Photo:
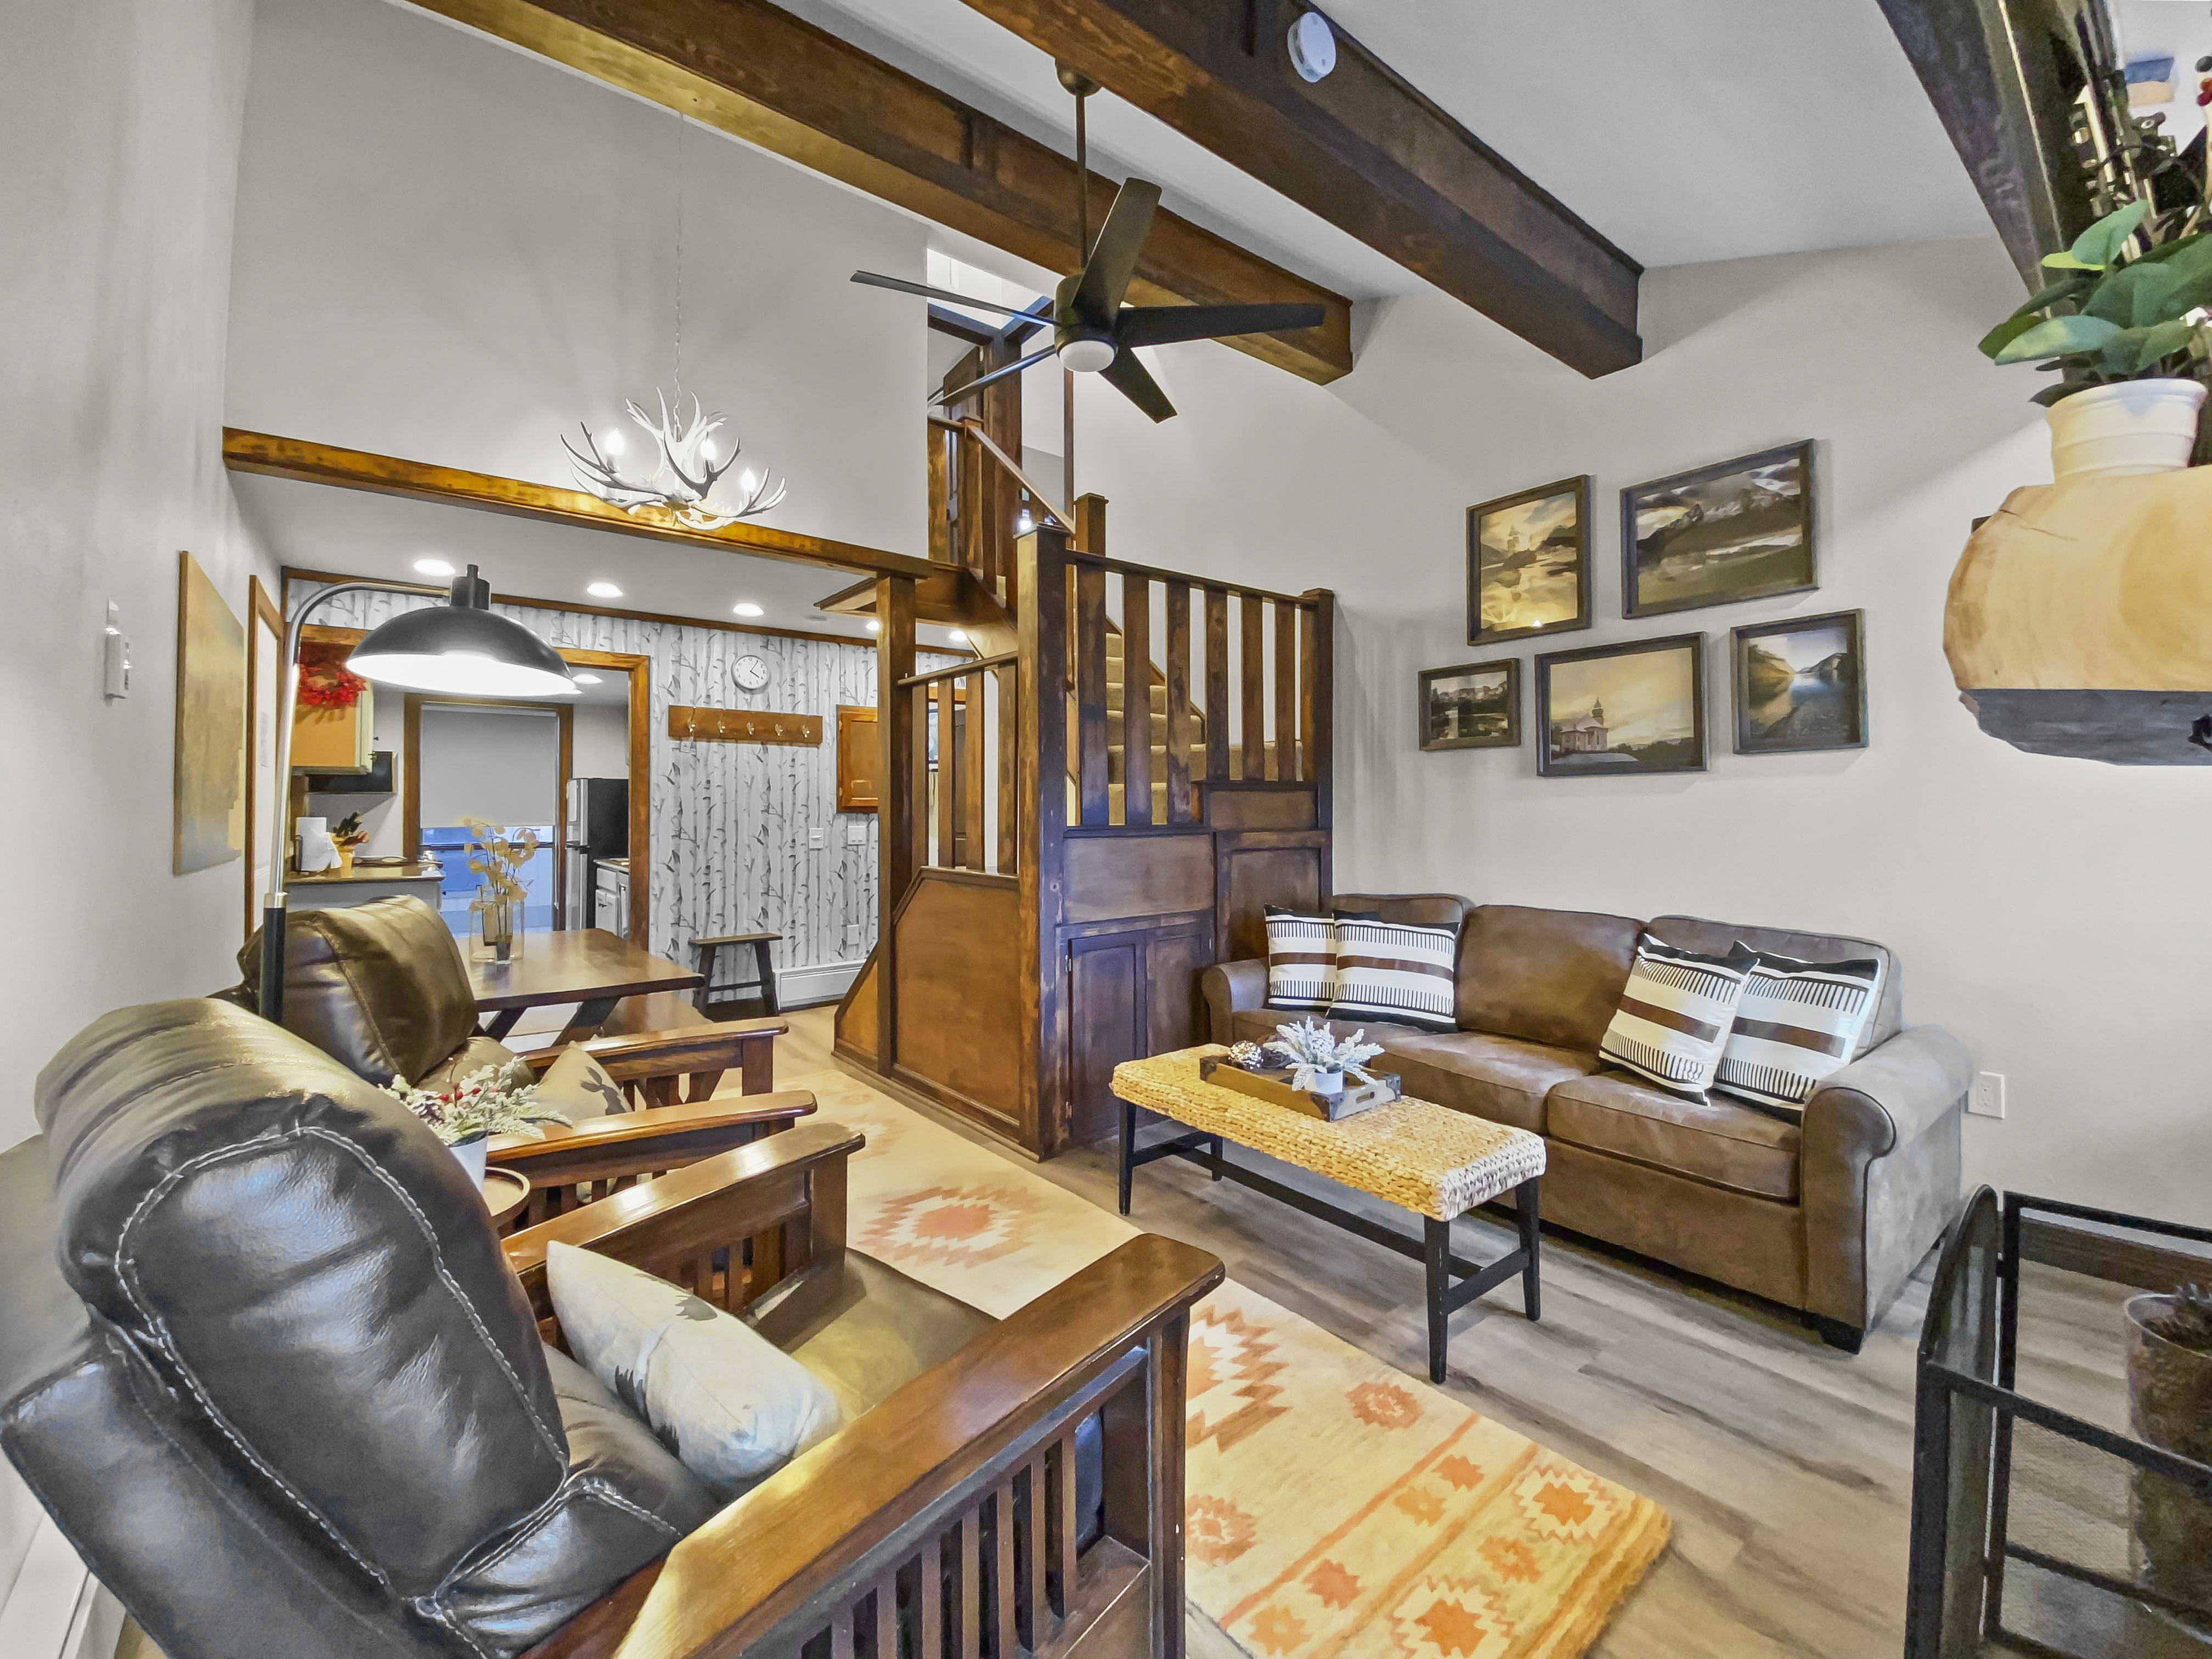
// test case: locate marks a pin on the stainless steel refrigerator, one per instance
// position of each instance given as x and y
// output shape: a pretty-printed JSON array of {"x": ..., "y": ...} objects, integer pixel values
[{"x": 598, "y": 828}]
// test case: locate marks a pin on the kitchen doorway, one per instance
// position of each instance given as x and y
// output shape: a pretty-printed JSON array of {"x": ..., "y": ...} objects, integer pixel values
[{"x": 494, "y": 762}]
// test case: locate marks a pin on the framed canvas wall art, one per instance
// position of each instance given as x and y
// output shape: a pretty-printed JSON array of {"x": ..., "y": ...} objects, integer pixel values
[
  {"x": 1738, "y": 530},
  {"x": 1476, "y": 705},
  {"x": 1621, "y": 710},
  {"x": 1528, "y": 563},
  {"x": 1800, "y": 684}
]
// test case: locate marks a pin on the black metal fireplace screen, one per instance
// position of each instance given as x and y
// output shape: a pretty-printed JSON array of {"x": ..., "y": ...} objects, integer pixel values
[{"x": 2038, "y": 1528}]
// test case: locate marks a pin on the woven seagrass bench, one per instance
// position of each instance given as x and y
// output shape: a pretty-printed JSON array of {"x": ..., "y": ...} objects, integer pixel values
[{"x": 1427, "y": 1159}]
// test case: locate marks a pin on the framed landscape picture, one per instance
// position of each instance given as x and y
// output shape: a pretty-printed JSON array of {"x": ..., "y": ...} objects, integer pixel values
[
  {"x": 1799, "y": 685},
  {"x": 1476, "y": 705},
  {"x": 1528, "y": 563},
  {"x": 1740, "y": 529},
  {"x": 1616, "y": 710}
]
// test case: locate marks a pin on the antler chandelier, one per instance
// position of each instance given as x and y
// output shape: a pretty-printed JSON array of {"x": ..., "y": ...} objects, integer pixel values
[{"x": 686, "y": 468}]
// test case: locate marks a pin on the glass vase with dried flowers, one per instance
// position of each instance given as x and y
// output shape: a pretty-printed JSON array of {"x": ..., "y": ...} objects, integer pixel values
[{"x": 496, "y": 914}]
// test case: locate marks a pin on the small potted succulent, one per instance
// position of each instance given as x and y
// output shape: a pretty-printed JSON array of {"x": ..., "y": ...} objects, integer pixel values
[
  {"x": 484, "y": 1104},
  {"x": 2170, "y": 1405},
  {"x": 2124, "y": 323},
  {"x": 1320, "y": 1061}
]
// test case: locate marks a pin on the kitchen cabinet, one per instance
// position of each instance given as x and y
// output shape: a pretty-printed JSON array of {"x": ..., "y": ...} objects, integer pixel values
[{"x": 336, "y": 739}]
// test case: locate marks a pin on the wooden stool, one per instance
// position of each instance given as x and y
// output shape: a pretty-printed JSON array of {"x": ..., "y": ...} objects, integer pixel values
[{"x": 705, "y": 952}]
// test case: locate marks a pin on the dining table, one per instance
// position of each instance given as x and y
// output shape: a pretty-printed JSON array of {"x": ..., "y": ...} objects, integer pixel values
[{"x": 587, "y": 966}]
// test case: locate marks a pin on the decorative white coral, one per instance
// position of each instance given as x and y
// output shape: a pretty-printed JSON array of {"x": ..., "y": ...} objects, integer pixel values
[{"x": 1315, "y": 1052}]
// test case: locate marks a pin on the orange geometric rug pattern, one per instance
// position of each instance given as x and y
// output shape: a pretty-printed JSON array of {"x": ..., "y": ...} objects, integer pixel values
[{"x": 1334, "y": 1506}]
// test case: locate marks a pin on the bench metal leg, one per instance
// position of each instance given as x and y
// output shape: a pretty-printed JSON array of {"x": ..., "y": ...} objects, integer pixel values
[
  {"x": 1436, "y": 1237},
  {"x": 1524, "y": 1203},
  {"x": 1217, "y": 1152},
  {"x": 1129, "y": 1151}
]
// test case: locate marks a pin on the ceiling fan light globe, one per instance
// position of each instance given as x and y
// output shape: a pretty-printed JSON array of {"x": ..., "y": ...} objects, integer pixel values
[{"x": 1087, "y": 356}]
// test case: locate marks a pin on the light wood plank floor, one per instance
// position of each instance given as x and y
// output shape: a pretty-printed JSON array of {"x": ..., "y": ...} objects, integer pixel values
[{"x": 1786, "y": 1465}]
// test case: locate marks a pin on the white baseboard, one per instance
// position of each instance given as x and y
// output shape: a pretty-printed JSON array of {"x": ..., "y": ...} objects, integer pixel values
[{"x": 825, "y": 982}]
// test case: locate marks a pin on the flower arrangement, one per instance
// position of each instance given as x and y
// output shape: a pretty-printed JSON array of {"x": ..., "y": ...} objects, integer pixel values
[
  {"x": 325, "y": 681},
  {"x": 481, "y": 1104},
  {"x": 498, "y": 859},
  {"x": 1316, "y": 1055}
]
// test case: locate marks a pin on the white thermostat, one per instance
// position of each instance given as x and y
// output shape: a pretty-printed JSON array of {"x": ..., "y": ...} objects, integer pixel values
[
  {"x": 751, "y": 672},
  {"x": 1313, "y": 46}
]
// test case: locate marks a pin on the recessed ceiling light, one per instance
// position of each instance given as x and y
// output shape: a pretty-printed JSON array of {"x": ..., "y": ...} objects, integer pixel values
[
  {"x": 603, "y": 590},
  {"x": 585, "y": 679},
  {"x": 959, "y": 635},
  {"x": 875, "y": 628},
  {"x": 433, "y": 567},
  {"x": 747, "y": 608}
]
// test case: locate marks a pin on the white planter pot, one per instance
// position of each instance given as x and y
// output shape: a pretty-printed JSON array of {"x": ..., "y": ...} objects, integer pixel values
[
  {"x": 1328, "y": 1083},
  {"x": 470, "y": 1156},
  {"x": 2114, "y": 431}
]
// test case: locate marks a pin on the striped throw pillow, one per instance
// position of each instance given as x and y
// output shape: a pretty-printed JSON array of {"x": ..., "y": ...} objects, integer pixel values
[
  {"x": 1675, "y": 1014},
  {"x": 1406, "y": 973},
  {"x": 1301, "y": 960},
  {"x": 1798, "y": 1024}
]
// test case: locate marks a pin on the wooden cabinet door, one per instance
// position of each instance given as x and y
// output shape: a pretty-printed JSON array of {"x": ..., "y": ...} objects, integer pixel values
[{"x": 860, "y": 758}]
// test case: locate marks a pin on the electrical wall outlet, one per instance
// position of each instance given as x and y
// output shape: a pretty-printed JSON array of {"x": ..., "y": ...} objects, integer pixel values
[
  {"x": 856, "y": 833},
  {"x": 1988, "y": 1098},
  {"x": 814, "y": 838},
  {"x": 852, "y": 941}
]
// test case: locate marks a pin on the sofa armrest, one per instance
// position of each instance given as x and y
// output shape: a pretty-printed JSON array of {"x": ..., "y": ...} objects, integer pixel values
[
  {"x": 702, "y": 1052},
  {"x": 1880, "y": 1170},
  {"x": 646, "y": 1141},
  {"x": 1233, "y": 988}
]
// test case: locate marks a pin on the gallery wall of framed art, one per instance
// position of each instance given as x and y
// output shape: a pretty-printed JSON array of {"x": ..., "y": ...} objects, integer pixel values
[{"x": 1723, "y": 533}]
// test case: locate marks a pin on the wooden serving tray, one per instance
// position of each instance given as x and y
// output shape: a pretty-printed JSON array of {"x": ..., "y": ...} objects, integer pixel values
[{"x": 1274, "y": 1088}]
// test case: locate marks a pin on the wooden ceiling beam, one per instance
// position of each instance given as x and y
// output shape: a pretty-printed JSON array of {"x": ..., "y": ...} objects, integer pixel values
[
  {"x": 384, "y": 475},
  {"x": 1363, "y": 149},
  {"x": 759, "y": 73}
]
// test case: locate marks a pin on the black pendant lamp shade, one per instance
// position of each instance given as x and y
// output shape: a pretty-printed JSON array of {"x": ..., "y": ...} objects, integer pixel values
[{"x": 462, "y": 649}]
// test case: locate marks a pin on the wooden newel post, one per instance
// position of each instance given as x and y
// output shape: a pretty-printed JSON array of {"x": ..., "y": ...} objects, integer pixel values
[
  {"x": 1041, "y": 560},
  {"x": 895, "y": 861}
]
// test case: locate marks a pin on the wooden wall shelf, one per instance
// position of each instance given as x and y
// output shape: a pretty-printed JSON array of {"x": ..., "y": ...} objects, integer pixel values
[{"x": 743, "y": 726}]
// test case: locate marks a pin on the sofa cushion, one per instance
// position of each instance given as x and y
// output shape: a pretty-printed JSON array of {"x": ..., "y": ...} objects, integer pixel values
[
  {"x": 870, "y": 1331},
  {"x": 1695, "y": 933},
  {"x": 1502, "y": 1080},
  {"x": 1549, "y": 976},
  {"x": 478, "y": 1053},
  {"x": 1716, "y": 1140},
  {"x": 1425, "y": 908}
]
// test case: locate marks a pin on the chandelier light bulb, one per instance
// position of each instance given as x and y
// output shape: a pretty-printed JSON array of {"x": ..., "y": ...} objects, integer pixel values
[
  {"x": 686, "y": 468},
  {"x": 615, "y": 443}
]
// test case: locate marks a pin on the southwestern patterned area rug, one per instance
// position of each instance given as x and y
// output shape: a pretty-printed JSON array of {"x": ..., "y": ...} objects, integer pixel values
[{"x": 1337, "y": 1507}]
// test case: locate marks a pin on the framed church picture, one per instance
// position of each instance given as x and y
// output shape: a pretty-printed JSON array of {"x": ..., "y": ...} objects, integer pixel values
[
  {"x": 1528, "y": 563},
  {"x": 1476, "y": 705},
  {"x": 1618, "y": 710},
  {"x": 1737, "y": 530},
  {"x": 1799, "y": 685}
]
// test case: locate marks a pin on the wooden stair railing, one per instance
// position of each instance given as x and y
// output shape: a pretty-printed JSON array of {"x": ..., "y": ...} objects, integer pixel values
[{"x": 964, "y": 812}]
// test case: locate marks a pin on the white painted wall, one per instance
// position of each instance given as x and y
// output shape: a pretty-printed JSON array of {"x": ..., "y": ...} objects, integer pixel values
[
  {"x": 449, "y": 251},
  {"x": 2052, "y": 912},
  {"x": 599, "y": 741},
  {"x": 120, "y": 119}
]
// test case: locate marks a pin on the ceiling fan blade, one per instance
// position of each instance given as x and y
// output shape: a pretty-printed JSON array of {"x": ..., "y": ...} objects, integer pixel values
[
  {"x": 869, "y": 278},
  {"x": 1134, "y": 382},
  {"x": 1145, "y": 325},
  {"x": 1113, "y": 260},
  {"x": 958, "y": 393}
]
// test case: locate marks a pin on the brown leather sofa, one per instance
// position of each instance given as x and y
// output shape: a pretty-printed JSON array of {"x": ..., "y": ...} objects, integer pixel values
[
  {"x": 264, "y": 1361},
  {"x": 1830, "y": 1215}
]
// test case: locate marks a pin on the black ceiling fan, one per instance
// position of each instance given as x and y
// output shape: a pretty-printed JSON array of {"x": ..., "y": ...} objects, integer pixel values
[{"x": 1092, "y": 330}]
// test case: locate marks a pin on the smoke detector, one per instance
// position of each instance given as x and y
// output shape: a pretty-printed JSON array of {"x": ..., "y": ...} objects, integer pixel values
[{"x": 1313, "y": 46}]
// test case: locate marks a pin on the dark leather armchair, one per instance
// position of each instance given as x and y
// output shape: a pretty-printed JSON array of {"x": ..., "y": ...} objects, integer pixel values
[
  {"x": 381, "y": 988},
  {"x": 265, "y": 1362}
]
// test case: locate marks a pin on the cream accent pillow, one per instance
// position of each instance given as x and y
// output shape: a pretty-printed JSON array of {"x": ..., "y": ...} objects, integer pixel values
[
  {"x": 732, "y": 1406},
  {"x": 1675, "y": 1014},
  {"x": 578, "y": 1086}
]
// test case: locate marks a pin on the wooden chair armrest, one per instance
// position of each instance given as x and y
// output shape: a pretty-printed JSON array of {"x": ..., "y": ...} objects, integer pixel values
[
  {"x": 651, "y": 1123},
  {"x": 808, "y": 1528},
  {"x": 707, "y": 1047}
]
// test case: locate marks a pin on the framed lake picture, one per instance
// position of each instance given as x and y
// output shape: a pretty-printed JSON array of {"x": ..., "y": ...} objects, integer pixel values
[
  {"x": 1476, "y": 705},
  {"x": 1528, "y": 563},
  {"x": 1740, "y": 529},
  {"x": 1799, "y": 685},
  {"x": 1614, "y": 710}
]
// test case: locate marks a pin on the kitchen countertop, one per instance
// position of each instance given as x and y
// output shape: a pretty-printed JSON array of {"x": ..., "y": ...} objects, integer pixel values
[
  {"x": 622, "y": 865},
  {"x": 369, "y": 872}
]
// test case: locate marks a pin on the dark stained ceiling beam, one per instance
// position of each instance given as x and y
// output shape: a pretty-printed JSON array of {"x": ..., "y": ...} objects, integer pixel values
[
  {"x": 1363, "y": 149},
  {"x": 763, "y": 75}
]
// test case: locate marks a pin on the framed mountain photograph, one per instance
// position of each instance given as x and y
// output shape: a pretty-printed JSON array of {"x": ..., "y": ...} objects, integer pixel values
[
  {"x": 1739, "y": 530},
  {"x": 1799, "y": 685},
  {"x": 1476, "y": 705},
  {"x": 1617, "y": 710},
  {"x": 1528, "y": 563}
]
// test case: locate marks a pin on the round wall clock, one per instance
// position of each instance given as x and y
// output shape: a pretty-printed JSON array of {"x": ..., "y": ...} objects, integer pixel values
[{"x": 751, "y": 673}]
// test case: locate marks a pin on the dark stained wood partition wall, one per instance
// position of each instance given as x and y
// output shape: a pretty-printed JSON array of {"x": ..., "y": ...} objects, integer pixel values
[{"x": 1091, "y": 819}]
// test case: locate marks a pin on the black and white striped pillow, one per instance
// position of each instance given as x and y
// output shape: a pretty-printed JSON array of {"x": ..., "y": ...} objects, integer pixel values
[
  {"x": 1675, "y": 1014},
  {"x": 1798, "y": 1024},
  {"x": 1301, "y": 960},
  {"x": 1404, "y": 972}
]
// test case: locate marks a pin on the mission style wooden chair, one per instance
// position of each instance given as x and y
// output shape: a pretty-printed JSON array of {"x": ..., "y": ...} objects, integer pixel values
[{"x": 380, "y": 1473}]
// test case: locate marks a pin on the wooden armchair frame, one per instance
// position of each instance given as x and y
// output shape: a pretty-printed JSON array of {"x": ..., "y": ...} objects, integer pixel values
[
  {"x": 694, "y": 1052},
  {"x": 873, "y": 1543}
]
